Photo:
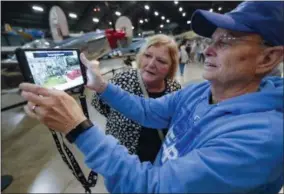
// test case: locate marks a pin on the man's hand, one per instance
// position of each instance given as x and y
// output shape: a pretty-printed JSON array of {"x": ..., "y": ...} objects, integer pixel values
[
  {"x": 95, "y": 79},
  {"x": 54, "y": 108}
]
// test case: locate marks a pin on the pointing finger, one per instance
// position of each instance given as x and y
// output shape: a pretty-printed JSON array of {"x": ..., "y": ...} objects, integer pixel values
[
  {"x": 35, "y": 89},
  {"x": 38, "y": 100},
  {"x": 84, "y": 60}
]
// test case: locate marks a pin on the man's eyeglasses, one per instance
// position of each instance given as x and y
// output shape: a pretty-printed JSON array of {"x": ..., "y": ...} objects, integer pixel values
[{"x": 226, "y": 41}]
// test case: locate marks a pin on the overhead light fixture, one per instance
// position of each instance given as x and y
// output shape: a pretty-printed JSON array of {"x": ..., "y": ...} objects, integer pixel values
[
  {"x": 163, "y": 17},
  {"x": 132, "y": 27},
  {"x": 96, "y": 20},
  {"x": 117, "y": 13},
  {"x": 220, "y": 8},
  {"x": 139, "y": 34},
  {"x": 161, "y": 26},
  {"x": 176, "y": 2},
  {"x": 156, "y": 13},
  {"x": 180, "y": 9},
  {"x": 141, "y": 21},
  {"x": 146, "y": 20},
  {"x": 37, "y": 8},
  {"x": 73, "y": 15},
  {"x": 147, "y": 7},
  {"x": 211, "y": 10},
  {"x": 97, "y": 9},
  {"x": 168, "y": 21},
  {"x": 110, "y": 23},
  {"x": 183, "y": 14},
  {"x": 188, "y": 22}
]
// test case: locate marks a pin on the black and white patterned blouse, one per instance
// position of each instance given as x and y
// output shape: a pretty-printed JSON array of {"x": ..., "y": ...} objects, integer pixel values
[{"x": 122, "y": 128}]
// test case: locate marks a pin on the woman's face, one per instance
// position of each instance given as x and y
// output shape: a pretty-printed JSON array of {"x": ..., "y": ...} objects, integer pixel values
[{"x": 155, "y": 63}]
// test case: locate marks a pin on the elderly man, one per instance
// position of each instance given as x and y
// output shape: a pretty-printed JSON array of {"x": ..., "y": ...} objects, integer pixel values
[{"x": 226, "y": 134}]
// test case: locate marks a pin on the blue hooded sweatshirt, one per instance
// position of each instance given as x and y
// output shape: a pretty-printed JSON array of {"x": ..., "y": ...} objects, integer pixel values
[{"x": 235, "y": 146}]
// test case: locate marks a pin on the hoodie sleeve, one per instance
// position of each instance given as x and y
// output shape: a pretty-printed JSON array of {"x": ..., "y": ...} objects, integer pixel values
[
  {"x": 152, "y": 113},
  {"x": 226, "y": 164}
]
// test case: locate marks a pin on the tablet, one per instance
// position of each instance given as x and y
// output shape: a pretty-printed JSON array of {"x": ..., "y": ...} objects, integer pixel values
[{"x": 52, "y": 68}]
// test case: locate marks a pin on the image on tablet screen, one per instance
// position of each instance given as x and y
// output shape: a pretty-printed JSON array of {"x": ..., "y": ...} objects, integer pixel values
[{"x": 55, "y": 69}]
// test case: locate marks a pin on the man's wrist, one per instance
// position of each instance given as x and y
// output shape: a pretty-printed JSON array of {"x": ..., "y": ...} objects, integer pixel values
[
  {"x": 72, "y": 135},
  {"x": 72, "y": 125}
]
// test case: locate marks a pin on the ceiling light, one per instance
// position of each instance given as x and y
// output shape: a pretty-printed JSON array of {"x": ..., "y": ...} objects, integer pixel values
[
  {"x": 161, "y": 26},
  {"x": 96, "y": 20},
  {"x": 163, "y": 17},
  {"x": 156, "y": 13},
  {"x": 168, "y": 21},
  {"x": 180, "y": 9},
  {"x": 147, "y": 7},
  {"x": 183, "y": 14},
  {"x": 211, "y": 10},
  {"x": 96, "y": 9},
  {"x": 146, "y": 20},
  {"x": 117, "y": 13},
  {"x": 188, "y": 22},
  {"x": 110, "y": 23},
  {"x": 37, "y": 8},
  {"x": 141, "y": 21},
  {"x": 132, "y": 27},
  {"x": 220, "y": 8},
  {"x": 72, "y": 15},
  {"x": 139, "y": 34},
  {"x": 176, "y": 2}
]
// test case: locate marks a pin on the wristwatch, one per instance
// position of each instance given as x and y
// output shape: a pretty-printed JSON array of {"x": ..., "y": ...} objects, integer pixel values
[{"x": 79, "y": 129}]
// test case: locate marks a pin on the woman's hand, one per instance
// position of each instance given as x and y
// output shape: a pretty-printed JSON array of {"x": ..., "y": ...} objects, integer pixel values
[
  {"x": 54, "y": 108},
  {"x": 95, "y": 79}
]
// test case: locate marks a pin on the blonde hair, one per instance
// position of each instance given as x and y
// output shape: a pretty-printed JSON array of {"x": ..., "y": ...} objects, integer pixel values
[{"x": 162, "y": 40}]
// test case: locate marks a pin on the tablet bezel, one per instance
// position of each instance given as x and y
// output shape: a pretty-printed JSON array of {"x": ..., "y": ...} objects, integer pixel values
[{"x": 26, "y": 71}]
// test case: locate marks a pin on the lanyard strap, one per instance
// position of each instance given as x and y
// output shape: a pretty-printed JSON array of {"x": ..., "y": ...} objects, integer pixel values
[
  {"x": 146, "y": 95},
  {"x": 73, "y": 164}
]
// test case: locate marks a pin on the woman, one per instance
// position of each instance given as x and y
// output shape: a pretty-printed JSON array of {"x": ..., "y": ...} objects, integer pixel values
[
  {"x": 183, "y": 57},
  {"x": 157, "y": 64}
]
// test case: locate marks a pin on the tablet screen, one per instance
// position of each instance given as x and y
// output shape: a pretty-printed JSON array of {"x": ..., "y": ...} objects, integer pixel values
[{"x": 55, "y": 69}]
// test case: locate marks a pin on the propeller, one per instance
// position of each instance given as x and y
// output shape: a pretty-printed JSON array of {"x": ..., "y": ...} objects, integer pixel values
[
  {"x": 124, "y": 24},
  {"x": 58, "y": 24},
  {"x": 121, "y": 33}
]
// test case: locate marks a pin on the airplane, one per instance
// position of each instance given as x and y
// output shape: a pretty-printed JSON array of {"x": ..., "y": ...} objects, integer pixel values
[{"x": 93, "y": 44}]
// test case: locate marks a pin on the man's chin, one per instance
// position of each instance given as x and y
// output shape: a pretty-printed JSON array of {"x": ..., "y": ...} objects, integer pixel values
[{"x": 207, "y": 76}]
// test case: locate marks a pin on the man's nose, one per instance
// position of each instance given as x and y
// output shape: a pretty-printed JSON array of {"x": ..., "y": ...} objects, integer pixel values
[{"x": 210, "y": 51}]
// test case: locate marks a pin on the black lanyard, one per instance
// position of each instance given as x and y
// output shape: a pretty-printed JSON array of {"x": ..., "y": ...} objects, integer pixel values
[{"x": 74, "y": 166}]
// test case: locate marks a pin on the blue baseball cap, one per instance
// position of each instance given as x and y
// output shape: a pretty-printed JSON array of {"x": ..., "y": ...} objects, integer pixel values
[{"x": 265, "y": 18}]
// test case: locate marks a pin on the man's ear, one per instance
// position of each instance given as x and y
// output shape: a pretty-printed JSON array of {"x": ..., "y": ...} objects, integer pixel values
[{"x": 271, "y": 57}]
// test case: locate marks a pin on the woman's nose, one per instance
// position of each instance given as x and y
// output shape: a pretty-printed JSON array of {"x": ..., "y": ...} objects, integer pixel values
[{"x": 151, "y": 62}]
